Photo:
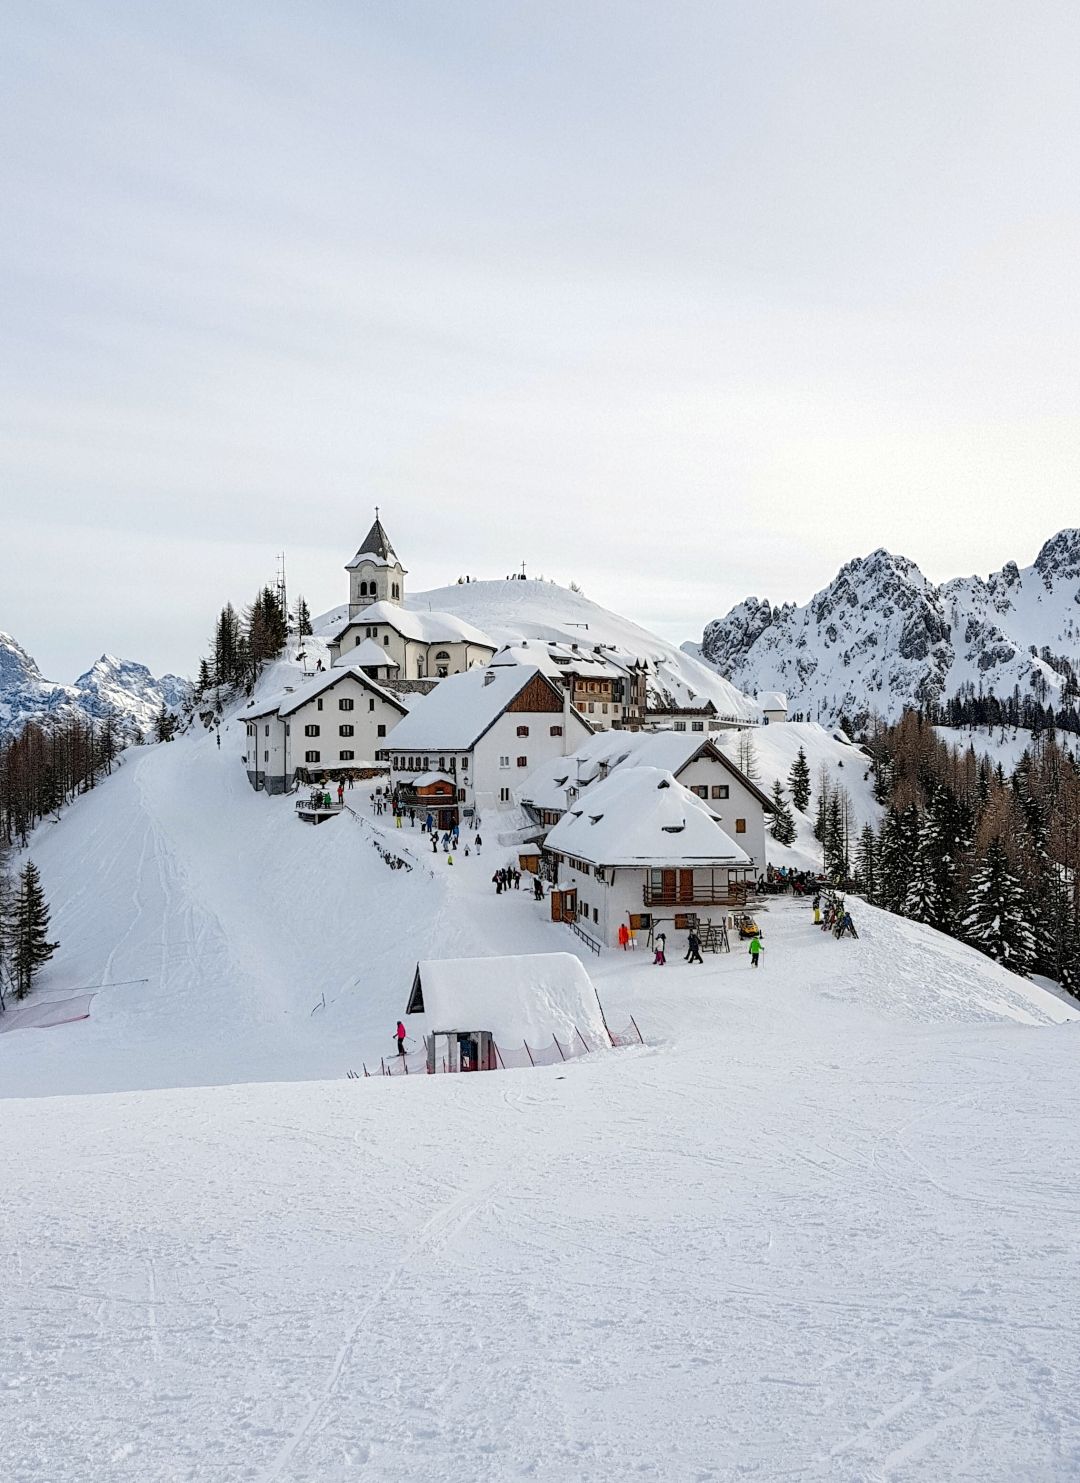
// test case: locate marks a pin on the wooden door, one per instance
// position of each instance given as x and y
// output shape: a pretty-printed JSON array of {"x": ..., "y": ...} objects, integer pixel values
[
  {"x": 667, "y": 885},
  {"x": 686, "y": 885}
]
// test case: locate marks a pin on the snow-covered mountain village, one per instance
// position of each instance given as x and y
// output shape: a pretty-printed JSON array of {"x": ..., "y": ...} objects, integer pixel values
[
  {"x": 539, "y": 743},
  {"x": 766, "y": 1087}
]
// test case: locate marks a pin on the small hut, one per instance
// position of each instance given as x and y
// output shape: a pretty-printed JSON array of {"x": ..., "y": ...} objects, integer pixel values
[{"x": 471, "y": 1005}]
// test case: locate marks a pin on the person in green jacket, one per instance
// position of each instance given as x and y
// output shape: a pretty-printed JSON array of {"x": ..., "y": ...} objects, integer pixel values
[{"x": 756, "y": 950}]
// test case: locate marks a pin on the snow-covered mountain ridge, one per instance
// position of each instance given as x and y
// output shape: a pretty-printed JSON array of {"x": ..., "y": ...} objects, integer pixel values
[
  {"x": 120, "y": 686},
  {"x": 881, "y": 636}
]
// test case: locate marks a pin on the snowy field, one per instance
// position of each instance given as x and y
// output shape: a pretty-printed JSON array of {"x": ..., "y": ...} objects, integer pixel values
[{"x": 821, "y": 1226}]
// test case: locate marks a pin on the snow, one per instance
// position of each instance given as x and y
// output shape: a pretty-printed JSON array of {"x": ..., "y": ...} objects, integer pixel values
[
  {"x": 424, "y": 625},
  {"x": 881, "y": 637},
  {"x": 514, "y": 611},
  {"x": 1004, "y": 744},
  {"x": 530, "y": 998},
  {"x": 285, "y": 699},
  {"x": 642, "y": 816},
  {"x": 369, "y": 653},
  {"x": 460, "y": 709},
  {"x": 820, "y": 1226}
]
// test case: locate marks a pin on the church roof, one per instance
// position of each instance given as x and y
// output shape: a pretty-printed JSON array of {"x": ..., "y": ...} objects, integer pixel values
[{"x": 375, "y": 547}]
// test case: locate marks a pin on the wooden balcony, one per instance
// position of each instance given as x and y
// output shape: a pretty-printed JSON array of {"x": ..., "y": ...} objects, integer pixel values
[{"x": 696, "y": 888}]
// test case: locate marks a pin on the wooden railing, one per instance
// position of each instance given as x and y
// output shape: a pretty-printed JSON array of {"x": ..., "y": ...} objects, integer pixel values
[{"x": 698, "y": 895}]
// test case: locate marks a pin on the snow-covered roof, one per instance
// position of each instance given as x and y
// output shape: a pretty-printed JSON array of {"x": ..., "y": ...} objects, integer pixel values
[
  {"x": 285, "y": 701},
  {"x": 369, "y": 654},
  {"x": 427, "y": 779},
  {"x": 424, "y": 628},
  {"x": 462, "y": 707},
  {"x": 546, "y": 785},
  {"x": 643, "y": 816},
  {"x": 530, "y": 997},
  {"x": 561, "y": 659},
  {"x": 772, "y": 700},
  {"x": 376, "y": 547}
]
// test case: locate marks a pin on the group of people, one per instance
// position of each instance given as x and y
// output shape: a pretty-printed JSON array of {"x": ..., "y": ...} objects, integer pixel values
[
  {"x": 776, "y": 881},
  {"x": 506, "y": 879},
  {"x": 833, "y": 917}
]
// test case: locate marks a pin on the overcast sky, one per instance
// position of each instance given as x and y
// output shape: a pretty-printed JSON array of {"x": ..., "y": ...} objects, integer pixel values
[{"x": 682, "y": 301}]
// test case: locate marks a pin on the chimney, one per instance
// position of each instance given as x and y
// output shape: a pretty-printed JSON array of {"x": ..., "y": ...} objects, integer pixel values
[{"x": 489, "y": 675}]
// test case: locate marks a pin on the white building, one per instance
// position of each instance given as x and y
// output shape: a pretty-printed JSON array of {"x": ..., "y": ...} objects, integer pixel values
[
  {"x": 481, "y": 731},
  {"x": 693, "y": 760},
  {"x": 415, "y": 645},
  {"x": 774, "y": 706},
  {"x": 331, "y": 725},
  {"x": 607, "y": 685},
  {"x": 640, "y": 842}
]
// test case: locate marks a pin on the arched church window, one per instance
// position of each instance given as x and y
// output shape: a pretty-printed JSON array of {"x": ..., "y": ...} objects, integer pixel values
[{"x": 363, "y": 589}]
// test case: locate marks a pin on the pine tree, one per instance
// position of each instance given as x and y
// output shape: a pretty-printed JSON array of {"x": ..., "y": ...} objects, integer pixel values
[
  {"x": 837, "y": 865},
  {"x": 30, "y": 947},
  {"x": 799, "y": 781},
  {"x": 866, "y": 863},
  {"x": 303, "y": 618},
  {"x": 927, "y": 898},
  {"x": 164, "y": 725},
  {"x": 782, "y": 827},
  {"x": 996, "y": 919}
]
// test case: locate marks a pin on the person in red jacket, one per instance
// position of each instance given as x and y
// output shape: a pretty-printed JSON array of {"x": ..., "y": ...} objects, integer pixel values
[{"x": 400, "y": 1034}]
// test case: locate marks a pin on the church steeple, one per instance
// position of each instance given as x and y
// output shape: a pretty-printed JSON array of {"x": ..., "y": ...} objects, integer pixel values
[{"x": 375, "y": 573}]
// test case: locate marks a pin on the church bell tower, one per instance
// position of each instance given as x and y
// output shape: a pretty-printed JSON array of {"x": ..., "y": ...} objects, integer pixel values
[{"x": 375, "y": 573}]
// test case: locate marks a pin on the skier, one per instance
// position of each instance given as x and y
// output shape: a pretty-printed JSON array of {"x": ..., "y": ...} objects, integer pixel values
[
  {"x": 660, "y": 943},
  {"x": 693, "y": 948},
  {"x": 399, "y": 1035},
  {"x": 756, "y": 949}
]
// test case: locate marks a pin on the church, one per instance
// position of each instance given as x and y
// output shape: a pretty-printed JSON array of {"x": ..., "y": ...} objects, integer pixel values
[{"x": 395, "y": 642}]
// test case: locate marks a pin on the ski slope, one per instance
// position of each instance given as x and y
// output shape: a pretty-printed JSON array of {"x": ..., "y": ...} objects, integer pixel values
[{"x": 821, "y": 1226}]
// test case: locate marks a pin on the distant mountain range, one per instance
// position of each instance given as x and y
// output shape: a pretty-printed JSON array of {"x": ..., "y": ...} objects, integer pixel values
[
  {"x": 881, "y": 637},
  {"x": 126, "y": 689}
]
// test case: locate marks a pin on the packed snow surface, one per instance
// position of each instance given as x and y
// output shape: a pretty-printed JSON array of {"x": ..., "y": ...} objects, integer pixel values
[{"x": 822, "y": 1225}]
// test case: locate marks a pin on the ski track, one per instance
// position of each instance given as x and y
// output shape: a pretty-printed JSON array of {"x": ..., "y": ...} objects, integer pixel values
[{"x": 820, "y": 1227}]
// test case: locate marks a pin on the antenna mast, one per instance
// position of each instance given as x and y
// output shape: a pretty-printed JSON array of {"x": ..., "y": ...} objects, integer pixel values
[{"x": 280, "y": 589}]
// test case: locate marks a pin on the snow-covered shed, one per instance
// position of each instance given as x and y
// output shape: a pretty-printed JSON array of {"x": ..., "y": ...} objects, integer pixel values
[
  {"x": 773, "y": 705},
  {"x": 468, "y": 1003},
  {"x": 640, "y": 840}
]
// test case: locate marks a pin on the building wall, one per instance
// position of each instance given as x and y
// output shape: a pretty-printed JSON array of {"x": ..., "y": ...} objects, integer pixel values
[
  {"x": 609, "y": 900},
  {"x": 415, "y": 660},
  {"x": 491, "y": 778},
  {"x": 369, "y": 712},
  {"x": 740, "y": 803},
  {"x": 388, "y": 583},
  {"x": 265, "y": 754}
]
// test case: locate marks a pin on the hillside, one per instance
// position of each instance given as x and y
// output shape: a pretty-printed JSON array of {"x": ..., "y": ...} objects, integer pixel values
[
  {"x": 511, "y": 610},
  {"x": 881, "y": 637},
  {"x": 824, "y": 1214},
  {"x": 118, "y": 686}
]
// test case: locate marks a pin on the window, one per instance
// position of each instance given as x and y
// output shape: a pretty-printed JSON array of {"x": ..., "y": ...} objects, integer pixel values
[
  {"x": 504, "y": 761},
  {"x": 312, "y": 756},
  {"x": 523, "y": 761},
  {"x": 266, "y": 756},
  {"x": 396, "y": 590},
  {"x": 266, "y": 731},
  {"x": 381, "y": 730},
  {"x": 697, "y": 725},
  {"x": 740, "y": 826},
  {"x": 504, "y": 795},
  {"x": 701, "y": 791},
  {"x": 604, "y": 708},
  {"x": 345, "y": 731},
  {"x": 720, "y": 790},
  {"x": 370, "y": 706},
  {"x": 363, "y": 589},
  {"x": 595, "y": 914},
  {"x": 318, "y": 704},
  {"x": 523, "y": 731},
  {"x": 464, "y": 763},
  {"x": 311, "y": 731},
  {"x": 592, "y": 706},
  {"x": 386, "y": 639},
  {"x": 680, "y": 725},
  {"x": 345, "y": 705},
  {"x": 442, "y": 657},
  {"x": 370, "y": 633},
  {"x": 556, "y": 731},
  {"x": 346, "y": 756}
]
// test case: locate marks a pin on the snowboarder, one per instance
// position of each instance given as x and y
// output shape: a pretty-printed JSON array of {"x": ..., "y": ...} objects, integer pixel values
[
  {"x": 756, "y": 949},
  {"x": 399, "y": 1035},
  {"x": 693, "y": 948},
  {"x": 660, "y": 944}
]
